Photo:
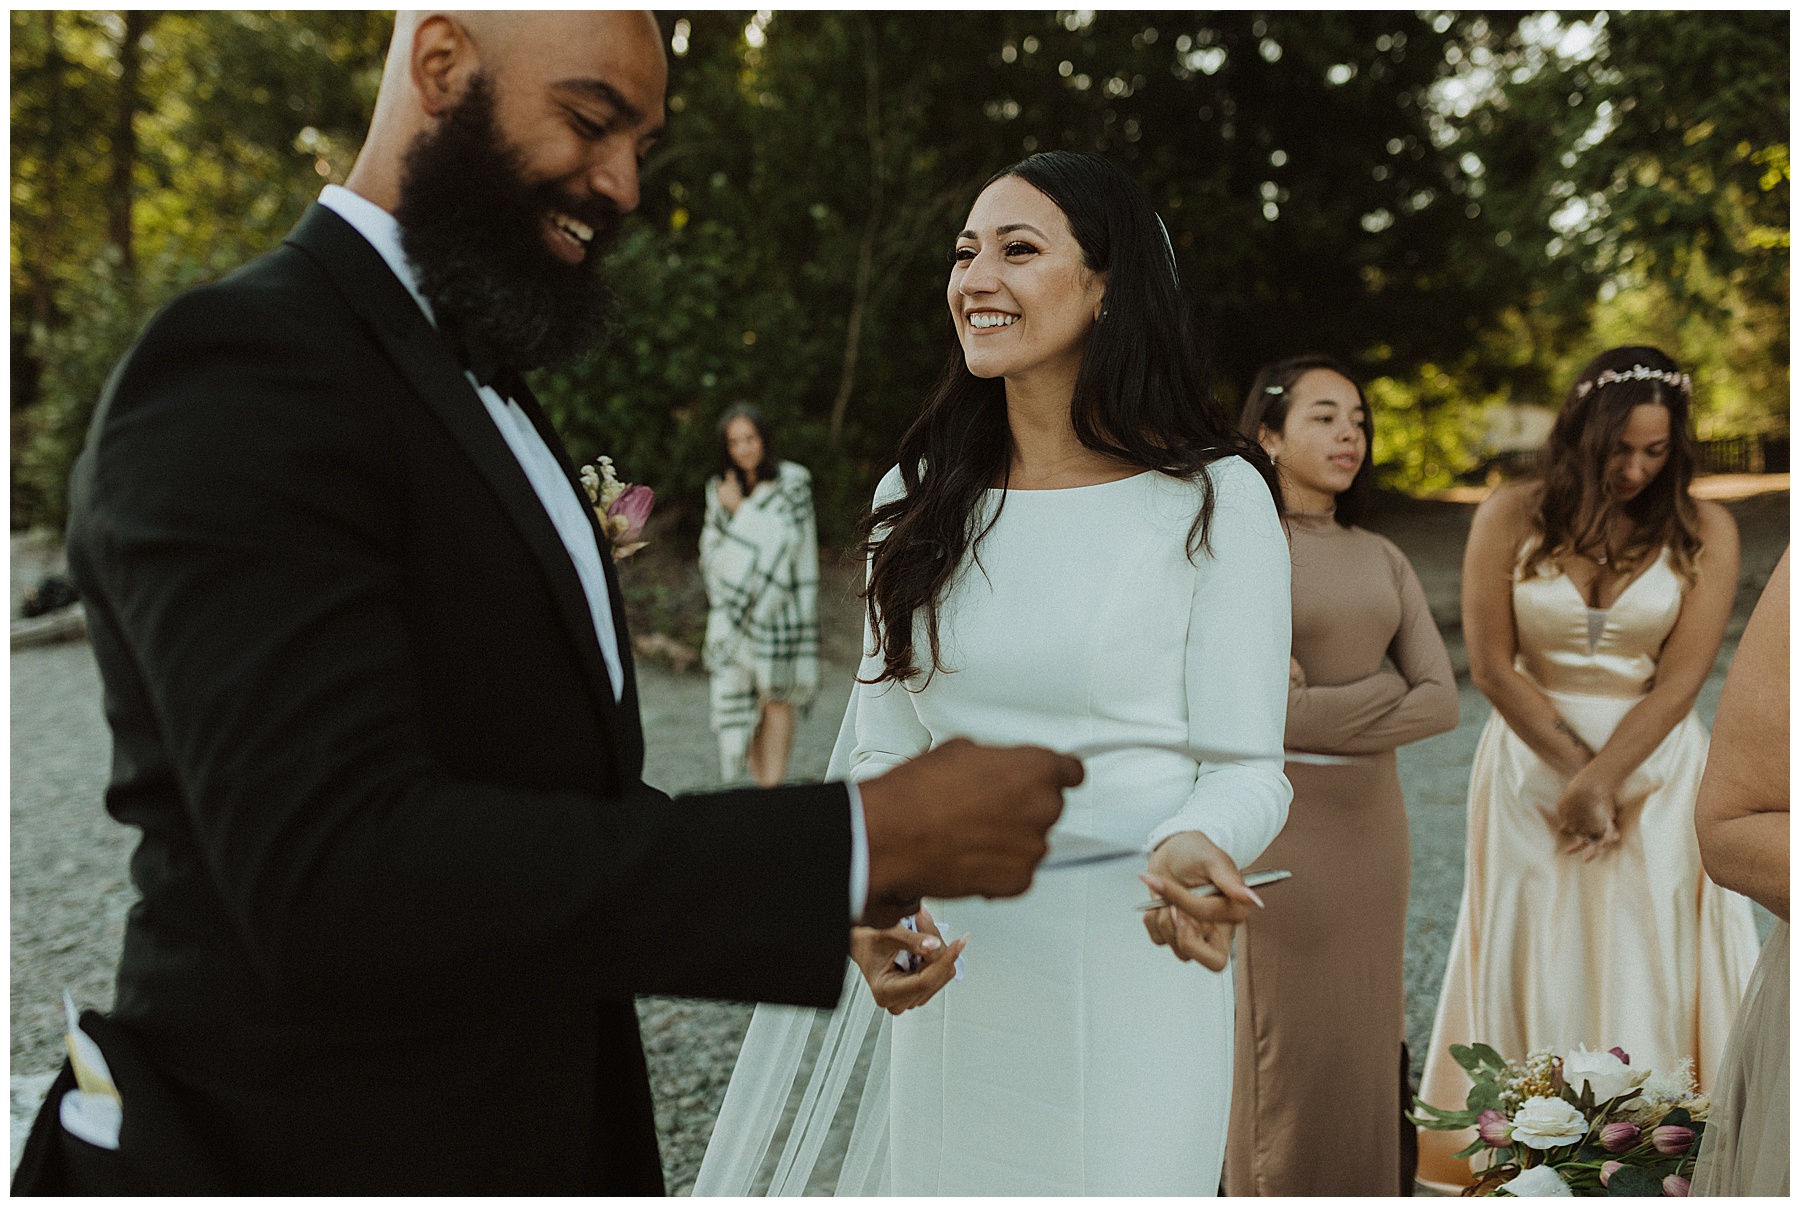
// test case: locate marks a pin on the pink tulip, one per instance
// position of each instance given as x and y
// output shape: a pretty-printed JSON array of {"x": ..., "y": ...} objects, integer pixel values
[
  {"x": 1617, "y": 1137},
  {"x": 1495, "y": 1128},
  {"x": 1620, "y": 1053},
  {"x": 633, "y": 507},
  {"x": 1671, "y": 1139},
  {"x": 1608, "y": 1169},
  {"x": 1676, "y": 1187}
]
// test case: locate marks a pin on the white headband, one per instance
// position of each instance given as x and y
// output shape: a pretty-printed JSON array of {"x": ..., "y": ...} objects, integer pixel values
[{"x": 1680, "y": 381}]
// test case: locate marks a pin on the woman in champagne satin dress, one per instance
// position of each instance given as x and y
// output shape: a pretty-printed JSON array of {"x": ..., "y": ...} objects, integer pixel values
[{"x": 1594, "y": 603}]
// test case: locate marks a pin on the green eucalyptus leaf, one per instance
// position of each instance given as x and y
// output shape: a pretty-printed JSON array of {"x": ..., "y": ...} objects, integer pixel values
[
  {"x": 1465, "y": 1056},
  {"x": 1444, "y": 1121},
  {"x": 1489, "y": 1057},
  {"x": 1484, "y": 1096}
]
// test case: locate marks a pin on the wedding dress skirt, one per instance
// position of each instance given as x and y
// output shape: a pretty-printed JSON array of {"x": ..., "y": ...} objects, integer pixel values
[
  {"x": 1073, "y": 1056},
  {"x": 1082, "y": 1069},
  {"x": 1637, "y": 949}
]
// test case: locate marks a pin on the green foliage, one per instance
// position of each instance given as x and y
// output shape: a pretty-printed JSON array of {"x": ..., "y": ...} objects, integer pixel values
[
  {"x": 1262, "y": 160},
  {"x": 77, "y": 358},
  {"x": 1396, "y": 188},
  {"x": 1636, "y": 163},
  {"x": 1427, "y": 428},
  {"x": 237, "y": 117}
]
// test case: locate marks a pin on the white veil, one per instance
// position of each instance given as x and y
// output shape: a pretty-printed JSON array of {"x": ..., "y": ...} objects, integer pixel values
[{"x": 814, "y": 1080}]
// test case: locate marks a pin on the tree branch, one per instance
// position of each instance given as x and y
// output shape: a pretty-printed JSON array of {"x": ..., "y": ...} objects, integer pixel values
[{"x": 865, "y": 257}]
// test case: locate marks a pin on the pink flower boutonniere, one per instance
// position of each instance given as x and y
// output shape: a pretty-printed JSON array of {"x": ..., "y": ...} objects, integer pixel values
[{"x": 622, "y": 508}]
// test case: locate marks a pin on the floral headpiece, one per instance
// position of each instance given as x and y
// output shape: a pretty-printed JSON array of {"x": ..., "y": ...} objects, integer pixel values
[{"x": 1680, "y": 381}]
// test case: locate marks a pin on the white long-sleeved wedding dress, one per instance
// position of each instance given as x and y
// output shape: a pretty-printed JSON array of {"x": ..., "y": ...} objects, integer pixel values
[{"x": 1073, "y": 1056}]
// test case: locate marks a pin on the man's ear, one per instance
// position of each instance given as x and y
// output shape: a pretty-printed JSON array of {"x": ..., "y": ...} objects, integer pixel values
[{"x": 442, "y": 62}]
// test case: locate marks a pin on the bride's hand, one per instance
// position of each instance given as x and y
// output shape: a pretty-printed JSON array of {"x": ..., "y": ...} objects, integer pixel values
[
  {"x": 896, "y": 990},
  {"x": 1196, "y": 928}
]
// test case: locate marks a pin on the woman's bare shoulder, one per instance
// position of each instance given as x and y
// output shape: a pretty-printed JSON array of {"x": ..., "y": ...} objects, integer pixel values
[
  {"x": 1715, "y": 520},
  {"x": 1514, "y": 498},
  {"x": 1511, "y": 508}
]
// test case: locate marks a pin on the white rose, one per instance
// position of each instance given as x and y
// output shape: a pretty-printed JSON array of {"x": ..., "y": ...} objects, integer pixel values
[
  {"x": 1547, "y": 1123},
  {"x": 1609, "y": 1075},
  {"x": 1540, "y": 1181}
]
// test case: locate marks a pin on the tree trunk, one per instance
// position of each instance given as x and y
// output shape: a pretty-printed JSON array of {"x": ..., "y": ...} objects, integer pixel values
[
  {"x": 124, "y": 140},
  {"x": 865, "y": 257},
  {"x": 53, "y": 118}
]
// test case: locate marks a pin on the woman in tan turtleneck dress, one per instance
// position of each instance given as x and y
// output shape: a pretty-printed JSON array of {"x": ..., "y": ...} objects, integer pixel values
[{"x": 1320, "y": 1065}]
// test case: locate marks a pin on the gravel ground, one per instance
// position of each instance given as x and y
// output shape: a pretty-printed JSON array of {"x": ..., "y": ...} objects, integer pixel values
[{"x": 70, "y": 888}]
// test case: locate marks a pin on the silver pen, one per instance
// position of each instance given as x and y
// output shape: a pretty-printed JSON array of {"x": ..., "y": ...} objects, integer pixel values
[{"x": 1251, "y": 880}]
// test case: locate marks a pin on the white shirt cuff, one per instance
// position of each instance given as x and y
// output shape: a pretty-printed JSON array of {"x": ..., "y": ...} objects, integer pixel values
[{"x": 859, "y": 853}]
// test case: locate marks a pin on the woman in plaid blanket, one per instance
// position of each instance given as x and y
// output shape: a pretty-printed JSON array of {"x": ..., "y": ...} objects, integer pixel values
[{"x": 759, "y": 557}]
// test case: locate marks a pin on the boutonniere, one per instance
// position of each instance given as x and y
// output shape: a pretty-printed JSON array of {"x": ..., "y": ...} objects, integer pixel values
[{"x": 622, "y": 508}]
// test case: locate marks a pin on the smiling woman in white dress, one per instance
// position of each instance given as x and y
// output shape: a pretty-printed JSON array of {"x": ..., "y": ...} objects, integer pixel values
[{"x": 1075, "y": 548}]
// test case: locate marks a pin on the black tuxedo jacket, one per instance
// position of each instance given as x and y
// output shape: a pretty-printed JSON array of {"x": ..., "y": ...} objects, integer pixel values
[{"x": 400, "y": 877}]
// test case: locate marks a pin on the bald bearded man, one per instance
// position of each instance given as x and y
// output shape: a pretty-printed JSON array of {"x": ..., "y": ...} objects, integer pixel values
[{"x": 372, "y": 698}]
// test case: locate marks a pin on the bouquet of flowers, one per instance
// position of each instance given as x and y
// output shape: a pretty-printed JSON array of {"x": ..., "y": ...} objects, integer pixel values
[
  {"x": 1583, "y": 1123},
  {"x": 622, "y": 508}
]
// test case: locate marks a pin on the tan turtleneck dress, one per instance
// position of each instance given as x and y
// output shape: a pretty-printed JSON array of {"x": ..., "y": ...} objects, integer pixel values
[{"x": 1315, "y": 1106}]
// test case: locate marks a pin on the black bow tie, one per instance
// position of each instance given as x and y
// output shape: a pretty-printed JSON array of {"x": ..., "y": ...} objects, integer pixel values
[{"x": 476, "y": 354}]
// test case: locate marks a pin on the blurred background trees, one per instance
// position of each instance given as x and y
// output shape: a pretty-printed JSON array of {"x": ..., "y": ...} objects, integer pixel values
[
  {"x": 152, "y": 151},
  {"x": 1465, "y": 205}
]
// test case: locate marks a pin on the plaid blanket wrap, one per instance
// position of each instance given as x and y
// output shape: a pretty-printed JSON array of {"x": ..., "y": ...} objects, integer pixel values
[{"x": 761, "y": 569}]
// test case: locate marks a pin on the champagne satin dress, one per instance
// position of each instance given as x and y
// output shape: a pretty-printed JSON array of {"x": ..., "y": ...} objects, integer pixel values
[{"x": 1637, "y": 949}]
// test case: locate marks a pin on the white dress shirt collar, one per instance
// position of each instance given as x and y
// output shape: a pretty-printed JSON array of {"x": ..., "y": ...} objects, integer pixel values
[{"x": 382, "y": 230}]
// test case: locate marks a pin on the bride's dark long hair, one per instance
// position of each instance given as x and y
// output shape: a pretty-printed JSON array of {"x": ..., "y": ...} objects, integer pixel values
[{"x": 1143, "y": 396}]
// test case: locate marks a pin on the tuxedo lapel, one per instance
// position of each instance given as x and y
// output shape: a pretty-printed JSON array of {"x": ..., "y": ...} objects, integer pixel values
[
  {"x": 425, "y": 358},
  {"x": 628, "y": 701}
]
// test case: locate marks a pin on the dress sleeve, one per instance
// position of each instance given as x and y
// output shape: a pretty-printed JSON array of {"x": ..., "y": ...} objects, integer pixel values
[
  {"x": 1428, "y": 704},
  {"x": 1331, "y": 719},
  {"x": 881, "y": 727},
  {"x": 1239, "y": 635}
]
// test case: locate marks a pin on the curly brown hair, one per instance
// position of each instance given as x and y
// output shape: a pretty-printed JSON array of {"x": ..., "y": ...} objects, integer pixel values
[{"x": 1577, "y": 509}]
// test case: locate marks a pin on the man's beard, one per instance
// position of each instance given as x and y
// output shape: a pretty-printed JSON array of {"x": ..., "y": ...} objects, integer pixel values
[{"x": 474, "y": 231}]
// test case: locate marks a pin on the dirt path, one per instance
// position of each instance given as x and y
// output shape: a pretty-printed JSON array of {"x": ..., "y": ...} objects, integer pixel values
[{"x": 70, "y": 890}]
